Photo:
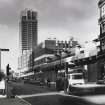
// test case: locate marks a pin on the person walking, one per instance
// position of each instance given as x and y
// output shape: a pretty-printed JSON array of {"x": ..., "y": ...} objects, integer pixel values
[
  {"x": 58, "y": 83},
  {"x": 48, "y": 82},
  {"x": 66, "y": 84}
]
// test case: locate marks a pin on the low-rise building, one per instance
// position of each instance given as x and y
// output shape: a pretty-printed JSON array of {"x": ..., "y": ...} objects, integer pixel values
[
  {"x": 86, "y": 57},
  {"x": 25, "y": 63},
  {"x": 50, "y": 58}
]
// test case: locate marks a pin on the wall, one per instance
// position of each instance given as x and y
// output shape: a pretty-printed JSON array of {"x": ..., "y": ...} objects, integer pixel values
[{"x": 92, "y": 72}]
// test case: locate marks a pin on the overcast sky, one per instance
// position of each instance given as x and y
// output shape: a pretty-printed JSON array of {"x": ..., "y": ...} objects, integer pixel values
[{"x": 56, "y": 18}]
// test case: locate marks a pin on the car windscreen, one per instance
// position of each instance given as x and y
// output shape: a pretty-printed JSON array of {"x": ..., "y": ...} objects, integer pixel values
[{"x": 77, "y": 76}]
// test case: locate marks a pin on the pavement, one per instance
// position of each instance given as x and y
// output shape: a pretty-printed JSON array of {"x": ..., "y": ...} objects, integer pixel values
[
  {"x": 53, "y": 98},
  {"x": 13, "y": 101},
  {"x": 22, "y": 89},
  {"x": 87, "y": 89},
  {"x": 89, "y": 85},
  {"x": 96, "y": 99}
]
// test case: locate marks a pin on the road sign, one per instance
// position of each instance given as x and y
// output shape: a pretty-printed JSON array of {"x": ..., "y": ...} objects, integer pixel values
[{"x": 4, "y": 49}]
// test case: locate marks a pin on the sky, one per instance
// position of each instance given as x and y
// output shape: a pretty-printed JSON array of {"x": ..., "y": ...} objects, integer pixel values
[{"x": 56, "y": 19}]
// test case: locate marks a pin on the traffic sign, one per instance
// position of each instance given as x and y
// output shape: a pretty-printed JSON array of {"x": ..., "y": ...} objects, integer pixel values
[{"x": 4, "y": 49}]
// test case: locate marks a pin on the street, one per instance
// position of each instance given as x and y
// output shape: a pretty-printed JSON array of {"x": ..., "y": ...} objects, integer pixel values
[
  {"x": 52, "y": 52},
  {"x": 37, "y": 95},
  {"x": 57, "y": 99},
  {"x": 31, "y": 94},
  {"x": 28, "y": 89}
]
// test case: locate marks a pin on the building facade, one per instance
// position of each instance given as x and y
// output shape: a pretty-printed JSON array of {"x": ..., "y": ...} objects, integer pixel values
[
  {"x": 101, "y": 6},
  {"x": 101, "y": 39},
  {"x": 27, "y": 39},
  {"x": 28, "y": 30},
  {"x": 48, "y": 63},
  {"x": 51, "y": 56},
  {"x": 86, "y": 57}
]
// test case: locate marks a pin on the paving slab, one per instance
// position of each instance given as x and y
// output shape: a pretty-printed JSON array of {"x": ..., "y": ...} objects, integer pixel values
[
  {"x": 13, "y": 101},
  {"x": 97, "y": 99},
  {"x": 87, "y": 89},
  {"x": 88, "y": 85}
]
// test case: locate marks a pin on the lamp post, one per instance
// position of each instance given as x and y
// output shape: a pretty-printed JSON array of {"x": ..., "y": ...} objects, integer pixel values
[
  {"x": 0, "y": 59},
  {"x": 60, "y": 59}
]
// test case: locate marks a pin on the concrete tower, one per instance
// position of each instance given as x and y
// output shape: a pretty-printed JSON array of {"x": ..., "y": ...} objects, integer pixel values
[{"x": 28, "y": 30}]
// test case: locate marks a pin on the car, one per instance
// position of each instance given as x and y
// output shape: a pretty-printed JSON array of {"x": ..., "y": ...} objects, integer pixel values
[
  {"x": 75, "y": 78},
  {"x": 2, "y": 87},
  {"x": 100, "y": 81}
]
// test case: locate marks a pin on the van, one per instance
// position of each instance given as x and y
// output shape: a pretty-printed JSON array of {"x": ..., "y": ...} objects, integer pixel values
[
  {"x": 2, "y": 87},
  {"x": 75, "y": 78}
]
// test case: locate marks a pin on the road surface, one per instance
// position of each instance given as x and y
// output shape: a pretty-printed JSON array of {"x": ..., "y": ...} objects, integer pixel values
[
  {"x": 57, "y": 99},
  {"x": 36, "y": 95}
]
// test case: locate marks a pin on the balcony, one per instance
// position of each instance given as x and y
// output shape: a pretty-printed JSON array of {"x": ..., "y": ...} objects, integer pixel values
[
  {"x": 101, "y": 19},
  {"x": 100, "y": 2}
]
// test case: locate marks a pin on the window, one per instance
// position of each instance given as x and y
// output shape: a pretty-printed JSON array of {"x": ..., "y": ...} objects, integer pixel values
[
  {"x": 81, "y": 51},
  {"x": 103, "y": 10}
]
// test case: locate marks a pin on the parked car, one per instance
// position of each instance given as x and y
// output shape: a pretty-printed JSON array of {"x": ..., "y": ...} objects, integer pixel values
[
  {"x": 76, "y": 78},
  {"x": 2, "y": 86}
]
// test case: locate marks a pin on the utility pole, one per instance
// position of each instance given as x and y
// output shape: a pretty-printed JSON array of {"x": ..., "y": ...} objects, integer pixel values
[
  {"x": 66, "y": 69},
  {"x": 0, "y": 60},
  {"x": 60, "y": 60}
]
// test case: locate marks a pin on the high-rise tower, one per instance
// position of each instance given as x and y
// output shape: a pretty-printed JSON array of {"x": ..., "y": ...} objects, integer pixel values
[{"x": 28, "y": 30}]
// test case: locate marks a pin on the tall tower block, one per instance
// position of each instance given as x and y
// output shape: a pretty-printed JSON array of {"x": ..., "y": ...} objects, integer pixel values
[{"x": 28, "y": 30}]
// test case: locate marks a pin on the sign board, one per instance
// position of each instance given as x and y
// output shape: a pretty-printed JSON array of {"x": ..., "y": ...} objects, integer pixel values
[{"x": 4, "y": 49}]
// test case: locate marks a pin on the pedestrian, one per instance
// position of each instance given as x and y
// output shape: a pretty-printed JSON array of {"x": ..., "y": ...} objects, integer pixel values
[
  {"x": 59, "y": 84},
  {"x": 48, "y": 82},
  {"x": 13, "y": 92},
  {"x": 62, "y": 83},
  {"x": 104, "y": 79},
  {"x": 66, "y": 84},
  {"x": 42, "y": 82}
]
